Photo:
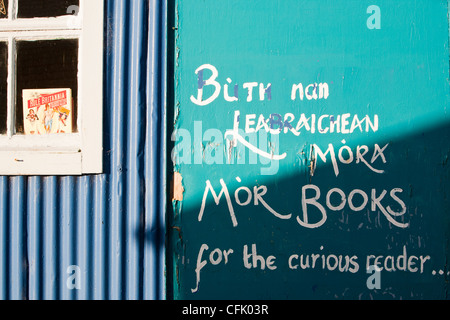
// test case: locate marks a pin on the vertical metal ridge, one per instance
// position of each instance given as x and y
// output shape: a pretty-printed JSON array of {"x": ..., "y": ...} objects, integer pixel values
[
  {"x": 4, "y": 235},
  {"x": 133, "y": 139},
  {"x": 154, "y": 168},
  {"x": 83, "y": 231},
  {"x": 18, "y": 259},
  {"x": 67, "y": 234},
  {"x": 117, "y": 147},
  {"x": 35, "y": 237},
  {"x": 50, "y": 258},
  {"x": 100, "y": 240}
]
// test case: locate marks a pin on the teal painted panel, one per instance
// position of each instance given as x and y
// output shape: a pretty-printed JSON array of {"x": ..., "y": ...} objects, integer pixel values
[{"x": 311, "y": 142}]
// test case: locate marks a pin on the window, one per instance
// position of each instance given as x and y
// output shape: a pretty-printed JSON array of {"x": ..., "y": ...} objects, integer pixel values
[{"x": 51, "y": 71}]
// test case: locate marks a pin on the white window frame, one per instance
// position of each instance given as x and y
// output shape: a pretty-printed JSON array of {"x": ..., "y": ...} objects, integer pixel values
[{"x": 59, "y": 154}]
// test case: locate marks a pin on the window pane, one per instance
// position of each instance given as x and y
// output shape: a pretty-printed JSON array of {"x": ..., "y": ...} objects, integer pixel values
[
  {"x": 48, "y": 64},
  {"x": 3, "y": 85},
  {"x": 45, "y": 8},
  {"x": 3, "y": 9}
]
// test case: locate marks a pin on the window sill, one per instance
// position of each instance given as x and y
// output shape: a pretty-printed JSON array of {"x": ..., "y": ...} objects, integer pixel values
[
  {"x": 41, "y": 163},
  {"x": 58, "y": 154}
]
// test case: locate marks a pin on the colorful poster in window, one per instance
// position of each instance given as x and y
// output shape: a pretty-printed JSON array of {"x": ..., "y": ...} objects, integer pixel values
[{"x": 47, "y": 111}]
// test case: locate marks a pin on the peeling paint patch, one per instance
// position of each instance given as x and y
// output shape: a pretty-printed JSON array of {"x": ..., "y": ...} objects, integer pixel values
[
  {"x": 312, "y": 164},
  {"x": 178, "y": 189}
]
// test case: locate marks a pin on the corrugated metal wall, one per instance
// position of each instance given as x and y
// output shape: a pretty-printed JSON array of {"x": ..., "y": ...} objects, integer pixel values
[{"x": 112, "y": 225}]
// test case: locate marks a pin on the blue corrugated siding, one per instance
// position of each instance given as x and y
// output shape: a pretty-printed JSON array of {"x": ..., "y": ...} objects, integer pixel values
[{"x": 110, "y": 225}]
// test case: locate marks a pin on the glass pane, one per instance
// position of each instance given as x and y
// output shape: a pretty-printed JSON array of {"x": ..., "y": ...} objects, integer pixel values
[
  {"x": 47, "y": 64},
  {"x": 45, "y": 8},
  {"x": 3, "y": 85}
]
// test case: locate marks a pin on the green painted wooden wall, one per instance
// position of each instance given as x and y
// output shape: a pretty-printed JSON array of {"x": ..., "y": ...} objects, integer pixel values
[{"x": 311, "y": 141}]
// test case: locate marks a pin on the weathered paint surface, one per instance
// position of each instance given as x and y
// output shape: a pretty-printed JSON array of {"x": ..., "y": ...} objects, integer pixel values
[
  {"x": 342, "y": 158},
  {"x": 100, "y": 237}
]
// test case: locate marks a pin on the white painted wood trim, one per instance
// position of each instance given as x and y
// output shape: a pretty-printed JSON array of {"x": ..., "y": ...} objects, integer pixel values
[
  {"x": 59, "y": 23},
  {"x": 40, "y": 163},
  {"x": 91, "y": 86}
]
